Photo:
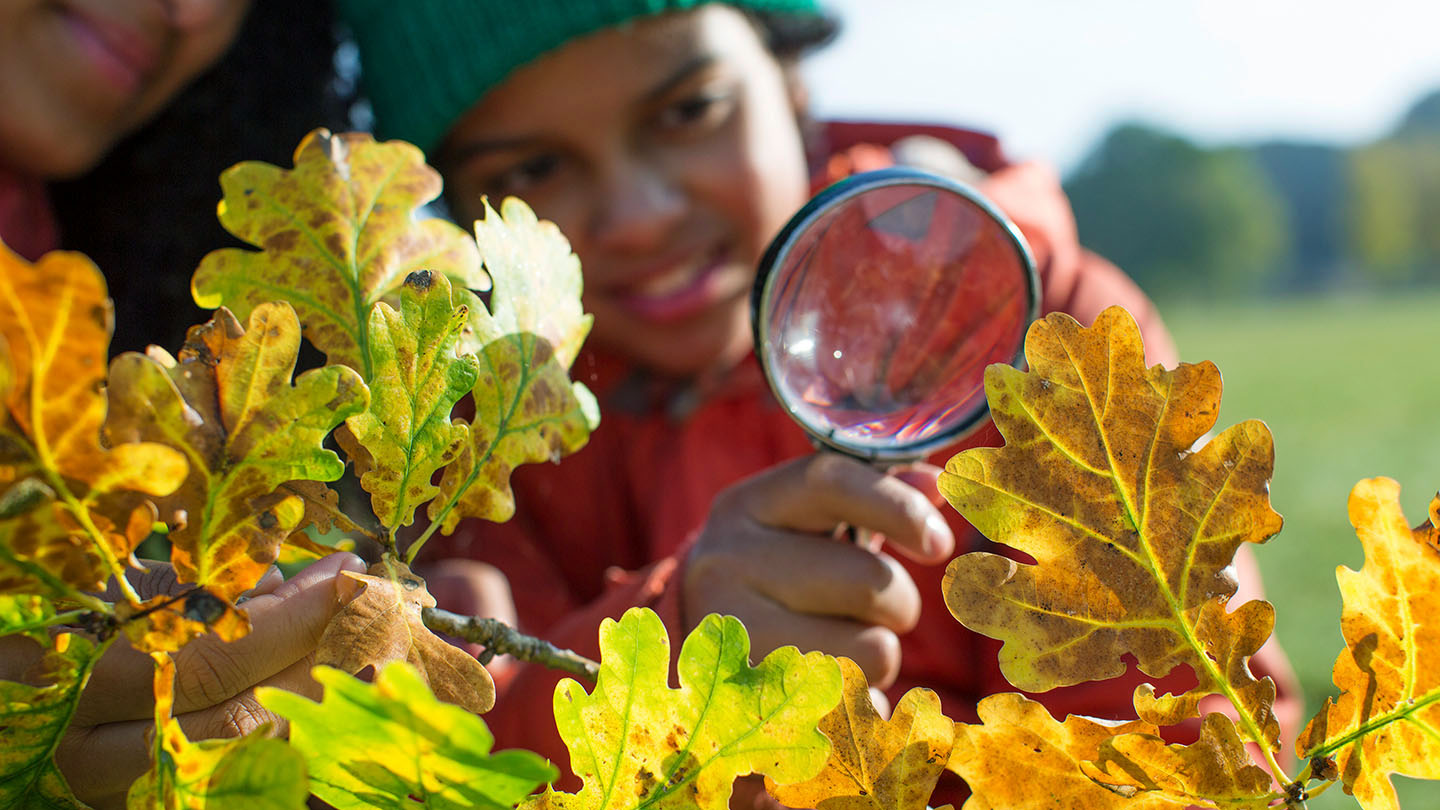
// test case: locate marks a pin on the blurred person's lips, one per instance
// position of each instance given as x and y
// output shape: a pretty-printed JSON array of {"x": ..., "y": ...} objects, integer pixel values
[
  {"x": 675, "y": 290},
  {"x": 123, "y": 55}
]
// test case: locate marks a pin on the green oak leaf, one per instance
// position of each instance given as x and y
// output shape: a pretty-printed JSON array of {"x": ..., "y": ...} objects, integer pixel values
[
  {"x": 33, "y": 719},
  {"x": 253, "y": 772},
  {"x": 229, "y": 404},
  {"x": 392, "y": 744},
  {"x": 638, "y": 743},
  {"x": 338, "y": 233},
  {"x": 27, "y": 614},
  {"x": 527, "y": 410},
  {"x": 417, "y": 378}
]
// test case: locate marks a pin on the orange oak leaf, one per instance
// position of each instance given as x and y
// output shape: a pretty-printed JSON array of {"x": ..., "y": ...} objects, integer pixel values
[
  {"x": 1387, "y": 718},
  {"x": 1214, "y": 770},
  {"x": 55, "y": 324},
  {"x": 229, "y": 404},
  {"x": 876, "y": 764},
  {"x": 166, "y": 623},
  {"x": 1131, "y": 526},
  {"x": 338, "y": 233},
  {"x": 381, "y": 622},
  {"x": 1021, "y": 758}
]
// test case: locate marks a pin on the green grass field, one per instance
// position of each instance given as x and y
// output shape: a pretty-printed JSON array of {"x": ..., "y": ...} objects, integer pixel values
[{"x": 1350, "y": 388}]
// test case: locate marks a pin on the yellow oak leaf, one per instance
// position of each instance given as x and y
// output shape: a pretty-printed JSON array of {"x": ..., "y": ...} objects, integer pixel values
[
  {"x": 1216, "y": 769},
  {"x": 229, "y": 404},
  {"x": 1131, "y": 526},
  {"x": 55, "y": 324},
  {"x": 876, "y": 764},
  {"x": 338, "y": 233},
  {"x": 1020, "y": 758},
  {"x": 381, "y": 622},
  {"x": 1387, "y": 718},
  {"x": 33, "y": 718}
]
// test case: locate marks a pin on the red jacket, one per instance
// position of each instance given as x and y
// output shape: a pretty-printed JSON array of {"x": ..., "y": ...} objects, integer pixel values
[{"x": 607, "y": 528}]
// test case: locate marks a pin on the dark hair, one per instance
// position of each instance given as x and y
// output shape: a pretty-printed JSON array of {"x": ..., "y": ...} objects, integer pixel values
[{"x": 146, "y": 214}]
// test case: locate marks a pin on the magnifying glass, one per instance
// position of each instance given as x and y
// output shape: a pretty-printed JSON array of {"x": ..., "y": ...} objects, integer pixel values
[{"x": 879, "y": 305}]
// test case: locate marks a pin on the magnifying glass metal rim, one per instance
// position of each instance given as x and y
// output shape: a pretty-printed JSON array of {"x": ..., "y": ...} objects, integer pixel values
[{"x": 827, "y": 201}]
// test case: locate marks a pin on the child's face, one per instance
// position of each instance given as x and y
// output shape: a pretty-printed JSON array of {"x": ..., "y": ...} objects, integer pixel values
[
  {"x": 669, "y": 153},
  {"x": 77, "y": 75}
]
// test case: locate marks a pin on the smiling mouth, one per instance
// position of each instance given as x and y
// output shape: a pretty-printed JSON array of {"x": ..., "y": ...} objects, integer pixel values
[
  {"x": 121, "y": 56},
  {"x": 680, "y": 293}
]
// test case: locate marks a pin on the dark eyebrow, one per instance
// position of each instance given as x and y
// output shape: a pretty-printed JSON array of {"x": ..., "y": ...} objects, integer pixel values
[{"x": 459, "y": 155}]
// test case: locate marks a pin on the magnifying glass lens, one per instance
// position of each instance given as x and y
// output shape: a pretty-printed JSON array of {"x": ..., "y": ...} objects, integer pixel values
[{"x": 885, "y": 310}]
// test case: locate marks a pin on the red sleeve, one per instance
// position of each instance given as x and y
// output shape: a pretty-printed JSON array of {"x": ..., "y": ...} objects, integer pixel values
[{"x": 1073, "y": 280}]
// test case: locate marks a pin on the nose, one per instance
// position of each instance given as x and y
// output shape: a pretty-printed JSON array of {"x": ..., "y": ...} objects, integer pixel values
[
  {"x": 639, "y": 205},
  {"x": 191, "y": 14}
]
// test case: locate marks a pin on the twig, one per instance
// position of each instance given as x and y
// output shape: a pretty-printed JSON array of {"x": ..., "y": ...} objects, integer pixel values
[{"x": 500, "y": 638}]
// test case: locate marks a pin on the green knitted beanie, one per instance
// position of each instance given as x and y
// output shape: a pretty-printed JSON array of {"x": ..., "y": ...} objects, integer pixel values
[{"x": 425, "y": 62}]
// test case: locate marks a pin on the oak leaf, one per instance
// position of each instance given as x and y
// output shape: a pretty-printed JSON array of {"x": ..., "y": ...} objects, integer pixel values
[
  {"x": 527, "y": 410},
  {"x": 1132, "y": 529},
  {"x": 1215, "y": 770},
  {"x": 876, "y": 764},
  {"x": 416, "y": 379},
  {"x": 33, "y": 718},
  {"x": 253, "y": 772},
  {"x": 338, "y": 233},
  {"x": 1020, "y": 758},
  {"x": 381, "y": 622},
  {"x": 391, "y": 743},
  {"x": 1387, "y": 718},
  {"x": 55, "y": 324},
  {"x": 166, "y": 623},
  {"x": 638, "y": 743},
  {"x": 229, "y": 404}
]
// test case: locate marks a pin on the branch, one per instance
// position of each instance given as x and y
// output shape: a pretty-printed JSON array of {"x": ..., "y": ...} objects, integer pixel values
[{"x": 500, "y": 638}]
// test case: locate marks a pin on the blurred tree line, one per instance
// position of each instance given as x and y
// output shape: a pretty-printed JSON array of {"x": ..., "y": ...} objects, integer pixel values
[{"x": 1273, "y": 217}]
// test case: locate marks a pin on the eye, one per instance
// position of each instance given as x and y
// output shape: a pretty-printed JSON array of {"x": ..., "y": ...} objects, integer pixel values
[
  {"x": 697, "y": 111},
  {"x": 523, "y": 176}
]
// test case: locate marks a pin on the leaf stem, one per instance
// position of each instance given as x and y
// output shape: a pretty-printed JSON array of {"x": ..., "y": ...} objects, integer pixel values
[
  {"x": 502, "y": 639},
  {"x": 1333, "y": 746},
  {"x": 97, "y": 537},
  {"x": 58, "y": 586}
]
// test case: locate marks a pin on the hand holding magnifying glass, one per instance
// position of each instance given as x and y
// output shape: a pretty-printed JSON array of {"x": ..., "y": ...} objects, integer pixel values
[{"x": 876, "y": 311}]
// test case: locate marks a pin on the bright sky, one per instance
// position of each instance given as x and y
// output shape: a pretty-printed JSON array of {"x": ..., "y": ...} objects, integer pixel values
[{"x": 1050, "y": 76}]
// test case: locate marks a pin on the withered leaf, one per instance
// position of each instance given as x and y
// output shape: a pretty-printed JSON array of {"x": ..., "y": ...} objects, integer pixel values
[
  {"x": 55, "y": 323},
  {"x": 1387, "y": 718},
  {"x": 229, "y": 405},
  {"x": 1132, "y": 529},
  {"x": 338, "y": 233},
  {"x": 876, "y": 764},
  {"x": 1216, "y": 768},
  {"x": 380, "y": 622},
  {"x": 1021, "y": 758},
  {"x": 416, "y": 379}
]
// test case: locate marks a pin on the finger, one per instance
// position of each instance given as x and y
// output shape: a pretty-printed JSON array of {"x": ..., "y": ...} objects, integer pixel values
[
  {"x": 286, "y": 626},
  {"x": 124, "y": 747},
  {"x": 814, "y": 494},
  {"x": 923, "y": 477},
  {"x": 808, "y": 575},
  {"x": 876, "y": 650}
]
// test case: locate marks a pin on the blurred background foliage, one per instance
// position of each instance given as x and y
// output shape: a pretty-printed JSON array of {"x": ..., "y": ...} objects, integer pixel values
[{"x": 1268, "y": 218}]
